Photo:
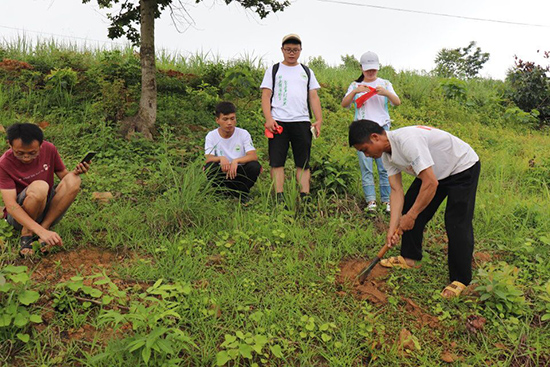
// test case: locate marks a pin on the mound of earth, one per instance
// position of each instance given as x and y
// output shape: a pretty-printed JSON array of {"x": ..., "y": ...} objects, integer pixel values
[{"x": 373, "y": 287}]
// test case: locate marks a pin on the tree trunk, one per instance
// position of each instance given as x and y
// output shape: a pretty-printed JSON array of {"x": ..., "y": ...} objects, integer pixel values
[{"x": 144, "y": 121}]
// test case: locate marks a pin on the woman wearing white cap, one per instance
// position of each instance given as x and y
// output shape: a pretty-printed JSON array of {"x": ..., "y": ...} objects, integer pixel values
[{"x": 370, "y": 95}]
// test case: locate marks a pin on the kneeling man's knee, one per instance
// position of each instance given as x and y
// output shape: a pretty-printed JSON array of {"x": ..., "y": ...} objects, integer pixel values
[
  {"x": 38, "y": 190},
  {"x": 72, "y": 182}
]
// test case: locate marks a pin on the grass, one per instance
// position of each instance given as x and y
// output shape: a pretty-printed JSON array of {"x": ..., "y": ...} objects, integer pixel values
[{"x": 269, "y": 270}]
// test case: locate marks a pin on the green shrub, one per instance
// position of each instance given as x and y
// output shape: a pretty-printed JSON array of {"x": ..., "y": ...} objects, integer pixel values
[
  {"x": 498, "y": 289},
  {"x": 15, "y": 297}
]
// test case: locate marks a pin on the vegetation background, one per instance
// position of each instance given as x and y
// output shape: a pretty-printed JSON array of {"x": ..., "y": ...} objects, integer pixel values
[{"x": 167, "y": 274}]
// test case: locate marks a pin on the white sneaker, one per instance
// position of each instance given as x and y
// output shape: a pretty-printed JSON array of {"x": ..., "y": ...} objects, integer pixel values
[
  {"x": 371, "y": 206},
  {"x": 387, "y": 206}
]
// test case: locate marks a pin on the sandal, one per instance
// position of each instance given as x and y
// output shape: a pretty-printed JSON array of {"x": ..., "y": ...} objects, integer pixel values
[
  {"x": 395, "y": 262},
  {"x": 25, "y": 243},
  {"x": 455, "y": 287}
]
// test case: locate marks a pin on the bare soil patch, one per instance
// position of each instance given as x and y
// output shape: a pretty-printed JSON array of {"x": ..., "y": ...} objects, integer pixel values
[
  {"x": 372, "y": 289},
  {"x": 63, "y": 265}
]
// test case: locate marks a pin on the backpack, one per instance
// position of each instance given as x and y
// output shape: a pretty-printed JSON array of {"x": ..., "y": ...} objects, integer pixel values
[{"x": 308, "y": 72}]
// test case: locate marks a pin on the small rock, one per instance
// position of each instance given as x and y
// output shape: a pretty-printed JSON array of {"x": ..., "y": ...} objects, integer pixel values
[{"x": 102, "y": 197}]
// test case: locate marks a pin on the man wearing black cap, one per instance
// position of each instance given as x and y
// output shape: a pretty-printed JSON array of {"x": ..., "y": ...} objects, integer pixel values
[{"x": 289, "y": 90}]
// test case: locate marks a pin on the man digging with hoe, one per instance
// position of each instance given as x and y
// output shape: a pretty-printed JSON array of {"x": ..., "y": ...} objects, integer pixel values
[{"x": 444, "y": 167}]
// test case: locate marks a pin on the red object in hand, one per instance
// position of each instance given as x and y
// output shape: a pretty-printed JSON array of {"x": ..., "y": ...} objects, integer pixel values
[
  {"x": 269, "y": 133},
  {"x": 361, "y": 100}
]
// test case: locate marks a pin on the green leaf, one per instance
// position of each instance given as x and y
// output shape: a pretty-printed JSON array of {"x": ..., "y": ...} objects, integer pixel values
[
  {"x": 4, "y": 288},
  {"x": 246, "y": 351},
  {"x": 240, "y": 334},
  {"x": 14, "y": 269},
  {"x": 222, "y": 358},
  {"x": 135, "y": 345},
  {"x": 260, "y": 339},
  {"x": 165, "y": 345},
  {"x": 5, "y": 320},
  {"x": 545, "y": 317},
  {"x": 23, "y": 337},
  {"x": 19, "y": 278},
  {"x": 106, "y": 299},
  {"x": 74, "y": 286},
  {"x": 2, "y": 279},
  {"x": 20, "y": 320},
  {"x": 28, "y": 297},
  {"x": 154, "y": 335},
  {"x": 324, "y": 327},
  {"x": 146, "y": 355},
  {"x": 92, "y": 292},
  {"x": 233, "y": 353},
  {"x": 276, "y": 350},
  {"x": 37, "y": 319},
  {"x": 325, "y": 337}
]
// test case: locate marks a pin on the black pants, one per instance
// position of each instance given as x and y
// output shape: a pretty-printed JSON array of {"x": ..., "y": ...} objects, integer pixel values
[
  {"x": 247, "y": 174},
  {"x": 460, "y": 191}
]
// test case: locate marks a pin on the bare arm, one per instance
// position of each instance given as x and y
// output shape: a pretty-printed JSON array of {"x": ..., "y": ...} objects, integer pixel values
[
  {"x": 425, "y": 196},
  {"x": 21, "y": 216},
  {"x": 248, "y": 157},
  {"x": 397, "y": 198},
  {"x": 270, "y": 123},
  {"x": 80, "y": 168},
  {"x": 317, "y": 112},
  {"x": 394, "y": 99},
  {"x": 348, "y": 99}
]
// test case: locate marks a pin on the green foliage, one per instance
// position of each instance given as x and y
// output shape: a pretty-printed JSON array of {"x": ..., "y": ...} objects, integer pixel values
[
  {"x": 454, "y": 89},
  {"x": 530, "y": 88},
  {"x": 15, "y": 297},
  {"x": 516, "y": 115},
  {"x": 249, "y": 346},
  {"x": 240, "y": 81},
  {"x": 317, "y": 63},
  {"x": 498, "y": 289},
  {"x": 459, "y": 62},
  {"x": 350, "y": 62},
  {"x": 153, "y": 318},
  {"x": 544, "y": 301}
]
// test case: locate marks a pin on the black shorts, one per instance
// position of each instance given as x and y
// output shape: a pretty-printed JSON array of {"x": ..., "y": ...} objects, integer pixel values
[{"x": 299, "y": 135}]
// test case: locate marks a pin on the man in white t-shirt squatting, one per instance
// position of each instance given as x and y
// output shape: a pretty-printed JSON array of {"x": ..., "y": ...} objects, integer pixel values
[
  {"x": 444, "y": 167},
  {"x": 286, "y": 104},
  {"x": 231, "y": 159}
]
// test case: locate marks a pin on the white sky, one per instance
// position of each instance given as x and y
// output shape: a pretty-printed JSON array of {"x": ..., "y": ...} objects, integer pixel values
[{"x": 405, "y": 40}]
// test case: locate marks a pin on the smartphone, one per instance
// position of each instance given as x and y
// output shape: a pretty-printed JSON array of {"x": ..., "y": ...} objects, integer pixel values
[
  {"x": 313, "y": 132},
  {"x": 88, "y": 157}
]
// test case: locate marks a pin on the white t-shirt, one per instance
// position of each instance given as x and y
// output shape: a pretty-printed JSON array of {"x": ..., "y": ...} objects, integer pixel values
[
  {"x": 376, "y": 107},
  {"x": 234, "y": 147},
  {"x": 289, "y": 102},
  {"x": 415, "y": 148}
]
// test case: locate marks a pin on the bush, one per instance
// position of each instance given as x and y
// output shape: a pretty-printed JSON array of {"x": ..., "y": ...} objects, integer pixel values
[{"x": 530, "y": 88}]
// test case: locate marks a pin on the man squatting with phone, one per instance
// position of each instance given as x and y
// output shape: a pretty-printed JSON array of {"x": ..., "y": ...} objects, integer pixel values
[{"x": 32, "y": 203}]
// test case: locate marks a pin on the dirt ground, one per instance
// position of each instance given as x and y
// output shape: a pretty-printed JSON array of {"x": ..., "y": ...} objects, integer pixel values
[{"x": 373, "y": 287}]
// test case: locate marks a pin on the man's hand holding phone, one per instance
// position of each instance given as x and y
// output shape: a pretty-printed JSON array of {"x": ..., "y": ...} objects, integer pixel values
[{"x": 84, "y": 165}]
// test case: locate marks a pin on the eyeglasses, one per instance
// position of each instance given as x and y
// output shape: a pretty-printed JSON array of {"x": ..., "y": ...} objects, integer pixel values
[
  {"x": 25, "y": 154},
  {"x": 292, "y": 50}
]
